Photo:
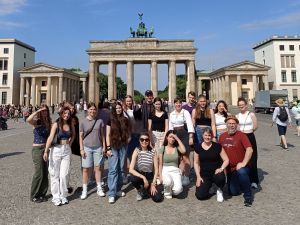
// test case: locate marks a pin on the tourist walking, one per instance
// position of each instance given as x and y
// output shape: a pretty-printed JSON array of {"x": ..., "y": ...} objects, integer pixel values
[
  {"x": 282, "y": 118},
  {"x": 118, "y": 133},
  {"x": 92, "y": 144},
  {"x": 181, "y": 122},
  {"x": 169, "y": 158},
  {"x": 41, "y": 122},
  {"x": 60, "y": 156},
  {"x": 296, "y": 112},
  {"x": 248, "y": 125},
  {"x": 144, "y": 170},
  {"x": 210, "y": 161}
]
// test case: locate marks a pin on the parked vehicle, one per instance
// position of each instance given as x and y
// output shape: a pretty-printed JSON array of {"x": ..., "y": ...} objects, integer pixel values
[
  {"x": 3, "y": 124},
  {"x": 265, "y": 100}
]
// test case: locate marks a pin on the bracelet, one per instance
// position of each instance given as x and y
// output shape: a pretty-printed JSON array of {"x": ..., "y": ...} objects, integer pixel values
[{"x": 108, "y": 148}]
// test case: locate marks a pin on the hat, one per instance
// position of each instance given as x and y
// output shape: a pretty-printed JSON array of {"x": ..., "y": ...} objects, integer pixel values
[
  {"x": 232, "y": 117},
  {"x": 148, "y": 93},
  {"x": 279, "y": 102}
]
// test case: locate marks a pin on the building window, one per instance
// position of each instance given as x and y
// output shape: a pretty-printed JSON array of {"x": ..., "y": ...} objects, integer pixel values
[
  {"x": 4, "y": 79},
  {"x": 3, "y": 64},
  {"x": 44, "y": 83},
  {"x": 295, "y": 93},
  {"x": 244, "y": 81},
  {"x": 293, "y": 61},
  {"x": 287, "y": 62},
  {"x": 24, "y": 64},
  {"x": 4, "y": 98},
  {"x": 291, "y": 47},
  {"x": 281, "y": 47},
  {"x": 263, "y": 53},
  {"x": 282, "y": 61},
  {"x": 294, "y": 76},
  {"x": 283, "y": 76},
  {"x": 5, "y": 50},
  {"x": 264, "y": 62},
  {"x": 24, "y": 55}
]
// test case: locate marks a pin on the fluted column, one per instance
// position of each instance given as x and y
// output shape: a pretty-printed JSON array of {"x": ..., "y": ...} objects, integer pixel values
[
  {"x": 84, "y": 90},
  {"x": 130, "y": 78},
  {"x": 266, "y": 83},
  {"x": 110, "y": 80},
  {"x": 22, "y": 91},
  {"x": 154, "y": 78},
  {"x": 199, "y": 86},
  {"x": 92, "y": 82},
  {"x": 191, "y": 75},
  {"x": 64, "y": 92},
  {"x": 227, "y": 90},
  {"x": 115, "y": 80},
  {"x": 27, "y": 92},
  {"x": 172, "y": 80},
  {"x": 239, "y": 86},
  {"x": 254, "y": 82},
  {"x": 60, "y": 89},
  {"x": 49, "y": 91},
  {"x": 69, "y": 97},
  {"x": 33, "y": 91}
]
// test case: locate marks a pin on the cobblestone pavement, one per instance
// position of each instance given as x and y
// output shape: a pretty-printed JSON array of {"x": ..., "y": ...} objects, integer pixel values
[{"x": 277, "y": 202}]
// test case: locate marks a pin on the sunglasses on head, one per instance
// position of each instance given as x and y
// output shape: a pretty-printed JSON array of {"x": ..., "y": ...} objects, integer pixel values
[{"x": 144, "y": 139}]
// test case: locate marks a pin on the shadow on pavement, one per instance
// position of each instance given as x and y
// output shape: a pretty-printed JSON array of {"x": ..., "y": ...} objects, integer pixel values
[{"x": 10, "y": 154}]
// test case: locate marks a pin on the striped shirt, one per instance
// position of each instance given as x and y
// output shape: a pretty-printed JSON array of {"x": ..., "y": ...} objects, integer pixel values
[{"x": 145, "y": 160}]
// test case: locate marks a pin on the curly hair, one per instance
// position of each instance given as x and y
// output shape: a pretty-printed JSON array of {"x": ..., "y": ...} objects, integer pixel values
[{"x": 120, "y": 130}]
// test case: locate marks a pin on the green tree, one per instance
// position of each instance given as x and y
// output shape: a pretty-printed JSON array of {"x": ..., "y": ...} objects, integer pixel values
[{"x": 180, "y": 88}]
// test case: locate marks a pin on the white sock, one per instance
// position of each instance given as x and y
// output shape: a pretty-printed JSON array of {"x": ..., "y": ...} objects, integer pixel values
[
  {"x": 84, "y": 187},
  {"x": 98, "y": 184}
]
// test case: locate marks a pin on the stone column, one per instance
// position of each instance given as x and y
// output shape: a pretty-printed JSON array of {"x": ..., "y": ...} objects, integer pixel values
[
  {"x": 91, "y": 82},
  {"x": 266, "y": 83},
  {"x": 69, "y": 96},
  {"x": 199, "y": 86},
  {"x": 78, "y": 90},
  {"x": 187, "y": 89},
  {"x": 115, "y": 80},
  {"x": 227, "y": 90},
  {"x": 49, "y": 92},
  {"x": 154, "y": 83},
  {"x": 64, "y": 92},
  {"x": 22, "y": 91},
  {"x": 172, "y": 80},
  {"x": 27, "y": 91},
  {"x": 84, "y": 90},
  {"x": 60, "y": 89},
  {"x": 254, "y": 82},
  {"x": 130, "y": 78},
  {"x": 239, "y": 85},
  {"x": 33, "y": 91},
  {"x": 110, "y": 80},
  {"x": 191, "y": 75}
]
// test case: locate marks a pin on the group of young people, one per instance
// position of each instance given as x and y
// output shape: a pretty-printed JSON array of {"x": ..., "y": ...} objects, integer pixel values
[{"x": 157, "y": 149}]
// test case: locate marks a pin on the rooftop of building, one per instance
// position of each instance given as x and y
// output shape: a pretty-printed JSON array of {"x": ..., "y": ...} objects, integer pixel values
[
  {"x": 277, "y": 38},
  {"x": 17, "y": 42}
]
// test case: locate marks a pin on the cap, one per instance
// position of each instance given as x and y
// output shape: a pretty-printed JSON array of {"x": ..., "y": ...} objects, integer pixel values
[
  {"x": 148, "y": 93},
  {"x": 232, "y": 117}
]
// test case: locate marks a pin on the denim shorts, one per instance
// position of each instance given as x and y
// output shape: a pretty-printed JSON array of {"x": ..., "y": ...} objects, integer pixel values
[
  {"x": 94, "y": 157},
  {"x": 281, "y": 130}
]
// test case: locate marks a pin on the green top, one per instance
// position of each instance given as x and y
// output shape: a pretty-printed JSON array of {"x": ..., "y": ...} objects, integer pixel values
[{"x": 169, "y": 159}]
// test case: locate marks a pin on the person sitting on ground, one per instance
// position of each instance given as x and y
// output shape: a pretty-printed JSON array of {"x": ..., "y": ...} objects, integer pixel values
[
  {"x": 144, "y": 170},
  {"x": 239, "y": 151},
  {"x": 169, "y": 158},
  {"x": 210, "y": 161}
]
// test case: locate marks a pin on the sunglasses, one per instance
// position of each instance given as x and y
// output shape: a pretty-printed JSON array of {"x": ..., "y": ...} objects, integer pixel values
[{"x": 144, "y": 139}]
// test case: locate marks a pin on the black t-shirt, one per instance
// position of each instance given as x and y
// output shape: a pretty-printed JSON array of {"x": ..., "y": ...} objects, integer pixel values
[
  {"x": 210, "y": 159},
  {"x": 158, "y": 123}
]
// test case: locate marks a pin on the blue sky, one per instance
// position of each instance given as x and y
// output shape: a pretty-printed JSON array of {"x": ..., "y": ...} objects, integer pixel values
[{"x": 224, "y": 31}]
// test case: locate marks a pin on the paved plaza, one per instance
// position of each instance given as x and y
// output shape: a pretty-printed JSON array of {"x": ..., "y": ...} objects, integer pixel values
[{"x": 277, "y": 202}]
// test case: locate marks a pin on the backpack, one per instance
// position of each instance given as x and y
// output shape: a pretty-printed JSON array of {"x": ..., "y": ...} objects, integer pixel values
[{"x": 283, "y": 116}]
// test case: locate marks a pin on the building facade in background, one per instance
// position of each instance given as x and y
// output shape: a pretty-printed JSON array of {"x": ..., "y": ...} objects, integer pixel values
[
  {"x": 282, "y": 54},
  {"x": 14, "y": 55}
]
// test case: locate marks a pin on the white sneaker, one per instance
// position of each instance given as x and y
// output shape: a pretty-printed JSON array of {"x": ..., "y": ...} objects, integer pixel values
[
  {"x": 220, "y": 197},
  {"x": 168, "y": 195},
  {"x": 64, "y": 201},
  {"x": 139, "y": 195},
  {"x": 111, "y": 200},
  {"x": 167, "y": 192},
  {"x": 100, "y": 192},
  {"x": 185, "y": 180},
  {"x": 121, "y": 194},
  {"x": 254, "y": 185},
  {"x": 83, "y": 195},
  {"x": 56, "y": 202}
]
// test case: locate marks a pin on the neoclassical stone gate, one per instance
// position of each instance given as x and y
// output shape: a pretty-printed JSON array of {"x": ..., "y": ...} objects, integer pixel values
[{"x": 140, "y": 51}]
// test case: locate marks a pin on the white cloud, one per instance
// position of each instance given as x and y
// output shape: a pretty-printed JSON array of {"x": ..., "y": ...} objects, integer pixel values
[
  {"x": 289, "y": 20},
  {"x": 9, "y": 25},
  {"x": 11, "y": 6}
]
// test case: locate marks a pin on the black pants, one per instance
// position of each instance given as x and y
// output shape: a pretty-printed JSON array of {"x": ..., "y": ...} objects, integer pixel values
[
  {"x": 202, "y": 192},
  {"x": 253, "y": 160},
  {"x": 138, "y": 183}
]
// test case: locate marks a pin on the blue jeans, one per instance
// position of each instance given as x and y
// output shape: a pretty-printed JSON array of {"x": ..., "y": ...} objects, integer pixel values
[
  {"x": 239, "y": 181},
  {"x": 115, "y": 169}
]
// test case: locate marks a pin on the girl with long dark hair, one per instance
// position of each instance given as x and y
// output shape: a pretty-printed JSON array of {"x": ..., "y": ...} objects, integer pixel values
[{"x": 221, "y": 113}]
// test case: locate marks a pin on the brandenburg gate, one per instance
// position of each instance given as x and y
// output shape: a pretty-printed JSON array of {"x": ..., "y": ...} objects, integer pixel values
[{"x": 141, "y": 48}]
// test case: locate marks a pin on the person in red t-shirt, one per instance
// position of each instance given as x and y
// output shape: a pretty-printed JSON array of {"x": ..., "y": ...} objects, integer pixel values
[{"x": 239, "y": 150}]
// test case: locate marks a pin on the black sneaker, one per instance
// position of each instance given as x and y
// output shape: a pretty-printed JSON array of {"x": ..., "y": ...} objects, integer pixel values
[
  {"x": 248, "y": 202},
  {"x": 36, "y": 200},
  {"x": 70, "y": 190}
]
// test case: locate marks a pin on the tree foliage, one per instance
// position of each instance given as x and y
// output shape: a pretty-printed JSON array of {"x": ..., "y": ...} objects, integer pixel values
[{"x": 180, "y": 88}]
